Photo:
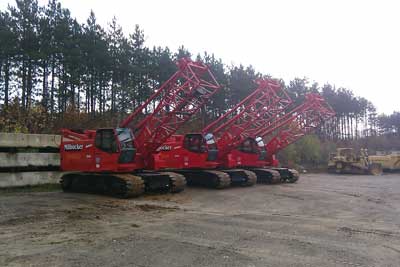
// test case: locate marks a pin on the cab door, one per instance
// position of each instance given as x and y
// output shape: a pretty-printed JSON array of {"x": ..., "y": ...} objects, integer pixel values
[{"x": 106, "y": 152}]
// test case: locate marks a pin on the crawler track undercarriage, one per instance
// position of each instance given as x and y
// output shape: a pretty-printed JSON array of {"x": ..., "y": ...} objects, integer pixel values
[
  {"x": 266, "y": 176},
  {"x": 274, "y": 175},
  {"x": 219, "y": 179},
  {"x": 288, "y": 175},
  {"x": 123, "y": 185}
]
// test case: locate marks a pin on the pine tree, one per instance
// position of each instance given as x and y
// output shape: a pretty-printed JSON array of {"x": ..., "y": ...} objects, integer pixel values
[
  {"x": 8, "y": 50},
  {"x": 26, "y": 17}
]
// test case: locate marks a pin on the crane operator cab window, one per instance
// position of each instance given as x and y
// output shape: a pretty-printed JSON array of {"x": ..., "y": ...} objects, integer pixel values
[
  {"x": 249, "y": 146},
  {"x": 261, "y": 147},
  {"x": 211, "y": 147},
  {"x": 194, "y": 143},
  {"x": 105, "y": 140},
  {"x": 128, "y": 150}
]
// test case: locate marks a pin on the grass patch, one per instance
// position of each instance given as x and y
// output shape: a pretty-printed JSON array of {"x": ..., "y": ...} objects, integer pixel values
[{"x": 31, "y": 188}]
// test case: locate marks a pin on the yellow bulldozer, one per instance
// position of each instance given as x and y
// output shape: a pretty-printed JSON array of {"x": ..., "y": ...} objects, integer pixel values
[
  {"x": 346, "y": 161},
  {"x": 389, "y": 161}
]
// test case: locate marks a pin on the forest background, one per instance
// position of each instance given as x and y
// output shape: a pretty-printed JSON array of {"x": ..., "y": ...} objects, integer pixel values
[{"x": 56, "y": 72}]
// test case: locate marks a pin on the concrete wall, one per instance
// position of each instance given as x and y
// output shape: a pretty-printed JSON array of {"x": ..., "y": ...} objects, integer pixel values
[
  {"x": 29, "y": 140},
  {"x": 13, "y": 179},
  {"x": 28, "y": 162},
  {"x": 8, "y": 160}
]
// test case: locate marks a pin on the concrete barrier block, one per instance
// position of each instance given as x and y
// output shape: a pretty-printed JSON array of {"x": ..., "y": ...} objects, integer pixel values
[
  {"x": 8, "y": 160},
  {"x": 29, "y": 140},
  {"x": 8, "y": 179}
]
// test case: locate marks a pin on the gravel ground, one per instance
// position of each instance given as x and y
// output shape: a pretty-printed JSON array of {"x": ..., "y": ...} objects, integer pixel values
[{"x": 323, "y": 220}]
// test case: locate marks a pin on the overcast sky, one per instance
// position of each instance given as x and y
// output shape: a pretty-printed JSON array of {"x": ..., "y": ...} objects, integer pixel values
[{"x": 354, "y": 44}]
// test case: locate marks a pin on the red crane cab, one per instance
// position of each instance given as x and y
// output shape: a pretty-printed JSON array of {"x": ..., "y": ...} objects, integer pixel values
[
  {"x": 250, "y": 153},
  {"x": 189, "y": 151},
  {"x": 102, "y": 150}
]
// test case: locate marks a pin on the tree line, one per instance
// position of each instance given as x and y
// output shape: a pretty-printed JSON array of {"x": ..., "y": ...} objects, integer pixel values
[{"x": 56, "y": 72}]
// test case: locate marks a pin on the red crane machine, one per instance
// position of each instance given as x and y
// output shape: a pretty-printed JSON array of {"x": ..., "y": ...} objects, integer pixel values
[
  {"x": 116, "y": 161},
  {"x": 290, "y": 127},
  {"x": 204, "y": 158},
  {"x": 248, "y": 151},
  {"x": 253, "y": 155}
]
